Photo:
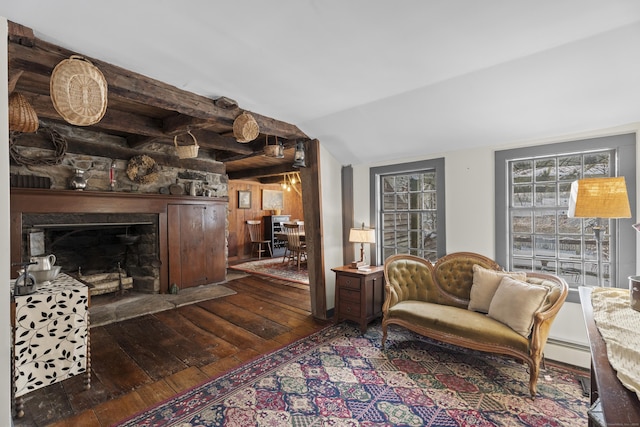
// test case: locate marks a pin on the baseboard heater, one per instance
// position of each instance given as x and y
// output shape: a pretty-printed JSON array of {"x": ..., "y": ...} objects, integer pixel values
[{"x": 569, "y": 345}]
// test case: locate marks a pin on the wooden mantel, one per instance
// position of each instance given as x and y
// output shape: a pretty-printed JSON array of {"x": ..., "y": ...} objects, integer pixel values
[{"x": 39, "y": 201}]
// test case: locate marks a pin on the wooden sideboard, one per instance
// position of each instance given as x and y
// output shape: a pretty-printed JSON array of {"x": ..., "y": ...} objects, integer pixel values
[{"x": 612, "y": 403}]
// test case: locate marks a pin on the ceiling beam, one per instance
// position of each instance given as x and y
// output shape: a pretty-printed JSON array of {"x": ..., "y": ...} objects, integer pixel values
[
  {"x": 43, "y": 57},
  {"x": 262, "y": 172}
]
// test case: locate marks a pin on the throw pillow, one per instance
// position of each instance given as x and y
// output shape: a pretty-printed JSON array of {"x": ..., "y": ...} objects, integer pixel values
[
  {"x": 485, "y": 283},
  {"x": 515, "y": 303}
]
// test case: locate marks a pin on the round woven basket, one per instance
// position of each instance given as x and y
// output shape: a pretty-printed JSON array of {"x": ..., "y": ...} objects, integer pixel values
[
  {"x": 187, "y": 151},
  {"x": 78, "y": 91},
  {"x": 22, "y": 116},
  {"x": 245, "y": 128}
]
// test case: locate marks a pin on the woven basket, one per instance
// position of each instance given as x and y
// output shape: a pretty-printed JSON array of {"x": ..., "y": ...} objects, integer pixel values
[
  {"x": 245, "y": 128},
  {"x": 187, "y": 151},
  {"x": 22, "y": 116},
  {"x": 78, "y": 91}
]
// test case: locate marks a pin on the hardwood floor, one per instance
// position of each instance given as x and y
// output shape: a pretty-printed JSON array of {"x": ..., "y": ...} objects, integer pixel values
[{"x": 139, "y": 362}]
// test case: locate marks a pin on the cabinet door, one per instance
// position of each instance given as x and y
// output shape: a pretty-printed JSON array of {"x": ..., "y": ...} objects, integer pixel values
[{"x": 196, "y": 244}]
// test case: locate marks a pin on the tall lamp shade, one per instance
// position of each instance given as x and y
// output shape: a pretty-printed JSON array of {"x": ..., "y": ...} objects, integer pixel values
[
  {"x": 599, "y": 198},
  {"x": 362, "y": 236}
]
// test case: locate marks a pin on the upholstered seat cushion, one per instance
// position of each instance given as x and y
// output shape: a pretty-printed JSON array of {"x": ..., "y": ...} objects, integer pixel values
[{"x": 453, "y": 321}]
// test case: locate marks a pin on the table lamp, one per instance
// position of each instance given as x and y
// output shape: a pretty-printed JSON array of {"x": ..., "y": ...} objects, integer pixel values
[
  {"x": 599, "y": 198},
  {"x": 362, "y": 236}
]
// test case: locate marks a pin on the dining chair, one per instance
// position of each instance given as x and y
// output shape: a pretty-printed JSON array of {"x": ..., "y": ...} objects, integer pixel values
[
  {"x": 297, "y": 248},
  {"x": 257, "y": 239}
]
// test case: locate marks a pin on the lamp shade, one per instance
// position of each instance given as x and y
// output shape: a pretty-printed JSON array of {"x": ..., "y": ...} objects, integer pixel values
[
  {"x": 362, "y": 235},
  {"x": 599, "y": 198}
]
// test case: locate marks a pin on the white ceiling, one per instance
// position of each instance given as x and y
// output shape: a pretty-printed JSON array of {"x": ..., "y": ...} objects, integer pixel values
[{"x": 376, "y": 80}]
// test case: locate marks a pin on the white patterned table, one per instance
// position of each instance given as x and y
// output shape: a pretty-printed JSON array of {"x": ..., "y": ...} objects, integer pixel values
[{"x": 50, "y": 336}]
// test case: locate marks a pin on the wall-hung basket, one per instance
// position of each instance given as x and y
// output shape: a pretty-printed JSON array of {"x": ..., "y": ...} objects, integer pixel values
[
  {"x": 78, "y": 91},
  {"x": 276, "y": 150},
  {"x": 245, "y": 128},
  {"x": 22, "y": 116},
  {"x": 187, "y": 151}
]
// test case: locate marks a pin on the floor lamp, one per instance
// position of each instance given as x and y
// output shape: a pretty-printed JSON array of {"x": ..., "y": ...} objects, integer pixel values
[{"x": 599, "y": 198}]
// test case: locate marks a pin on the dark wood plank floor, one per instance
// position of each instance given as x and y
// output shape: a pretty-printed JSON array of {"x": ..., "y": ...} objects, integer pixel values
[{"x": 140, "y": 362}]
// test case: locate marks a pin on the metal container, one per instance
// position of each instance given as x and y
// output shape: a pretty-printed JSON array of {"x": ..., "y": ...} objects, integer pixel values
[{"x": 634, "y": 292}]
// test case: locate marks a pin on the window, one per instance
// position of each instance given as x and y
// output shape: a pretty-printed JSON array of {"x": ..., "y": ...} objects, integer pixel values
[
  {"x": 532, "y": 197},
  {"x": 409, "y": 209}
]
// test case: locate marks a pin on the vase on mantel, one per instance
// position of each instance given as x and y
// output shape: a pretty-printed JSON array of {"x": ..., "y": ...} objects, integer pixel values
[{"x": 78, "y": 180}]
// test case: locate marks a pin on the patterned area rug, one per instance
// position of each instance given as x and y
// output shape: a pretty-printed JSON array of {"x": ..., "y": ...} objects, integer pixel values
[
  {"x": 274, "y": 267},
  {"x": 339, "y": 377}
]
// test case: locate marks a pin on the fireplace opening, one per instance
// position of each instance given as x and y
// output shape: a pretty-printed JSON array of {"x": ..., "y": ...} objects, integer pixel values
[{"x": 111, "y": 253}]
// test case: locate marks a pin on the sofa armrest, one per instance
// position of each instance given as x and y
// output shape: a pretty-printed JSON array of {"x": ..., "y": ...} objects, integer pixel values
[
  {"x": 407, "y": 277},
  {"x": 543, "y": 319}
]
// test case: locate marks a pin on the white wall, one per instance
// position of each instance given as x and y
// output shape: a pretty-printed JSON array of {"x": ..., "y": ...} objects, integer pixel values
[
  {"x": 5, "y": 325},
  {"x": 470, "y": 206},
  {"x": 331, "y": 185}
]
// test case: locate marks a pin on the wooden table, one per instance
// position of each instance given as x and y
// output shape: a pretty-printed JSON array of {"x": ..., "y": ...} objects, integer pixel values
[{"x": 612, "y": 403}]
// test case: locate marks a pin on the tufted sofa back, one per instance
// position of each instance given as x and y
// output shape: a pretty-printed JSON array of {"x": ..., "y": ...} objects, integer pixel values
[
  {"x": 409, "y": 278},
  {"x": 453, "y": 275},
  {"x": 447, "y": 282}
]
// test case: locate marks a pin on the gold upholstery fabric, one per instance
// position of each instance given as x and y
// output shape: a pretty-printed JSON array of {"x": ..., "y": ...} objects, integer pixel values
[{"x": 461, "y": 323}]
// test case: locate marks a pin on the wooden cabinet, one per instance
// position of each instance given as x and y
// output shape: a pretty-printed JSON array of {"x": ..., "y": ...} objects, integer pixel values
[
  {"x": 612, "y": 403},
  {"x": 359, "y": 294},
  {"x": 272, "y": 226},
  {"x": 196, "y": 239}
]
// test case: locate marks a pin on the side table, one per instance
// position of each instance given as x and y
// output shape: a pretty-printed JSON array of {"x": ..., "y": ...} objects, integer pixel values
[
  {"x": 51, "y": 336},
  {"x": 359, "y": 294}
]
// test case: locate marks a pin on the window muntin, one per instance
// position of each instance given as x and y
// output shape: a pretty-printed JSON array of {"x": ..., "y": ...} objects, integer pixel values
[
  {"x": 409, "y": 219},
  {"x": 408, "y": 209},
  {"x": 541, "y": 236}
]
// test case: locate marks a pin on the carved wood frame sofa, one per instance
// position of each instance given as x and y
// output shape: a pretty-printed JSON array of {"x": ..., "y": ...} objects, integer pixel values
[{"x": 447, "y": 301}]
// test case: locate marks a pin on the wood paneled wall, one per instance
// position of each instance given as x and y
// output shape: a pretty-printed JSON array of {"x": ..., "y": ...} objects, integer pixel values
[{"x": 239, "y": 246}]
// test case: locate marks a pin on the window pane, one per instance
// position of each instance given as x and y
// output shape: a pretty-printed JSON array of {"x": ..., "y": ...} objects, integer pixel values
[
  {"x": 522, "y": 196},
  {"x": 521, "y": 221},
  {"x": 569, "y": 168},
  {"x": 546, "y": 170},
  {"x": 522, "y": 171},
  {"x": 545, "y": 222},
  {"x": 546, "y": 195},
  {"x": 522, "y": 245},
  {"x": 409, "y": 214},
  {"x": 596, "y": 165},
  {"x": 388, "y": 202}
]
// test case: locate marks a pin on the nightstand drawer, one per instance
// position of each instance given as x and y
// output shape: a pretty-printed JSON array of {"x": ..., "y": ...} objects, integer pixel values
[
  {"x": 349, "y": 308},
  {"x": 348, "y": 282},
  {"x": 349, "y": 295}
]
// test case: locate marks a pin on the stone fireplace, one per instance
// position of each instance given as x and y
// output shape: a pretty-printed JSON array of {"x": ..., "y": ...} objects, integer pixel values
[
  {"x": 182, "y": 238},
  {"x": 114, "y": 247}
]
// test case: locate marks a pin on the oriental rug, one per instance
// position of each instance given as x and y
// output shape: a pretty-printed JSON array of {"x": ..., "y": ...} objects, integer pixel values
[
  {"x": 274, "y": 267},
  {"x": 340, "y": 377}
]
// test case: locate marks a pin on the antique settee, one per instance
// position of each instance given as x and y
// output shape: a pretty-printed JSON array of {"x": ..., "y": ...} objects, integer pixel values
[{"x": 466, "y": 299}]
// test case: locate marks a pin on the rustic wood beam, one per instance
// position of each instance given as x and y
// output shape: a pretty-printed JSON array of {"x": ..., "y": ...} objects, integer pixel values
[
  {"x": 20, "y": 34},
  {"x": 113, "y": 120},
  {"x": 43, "y": 57},
  {"x": 262, "y": 172},
  {"x": 79, "y": 144},
  {"x": 14, "y": 76}
]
